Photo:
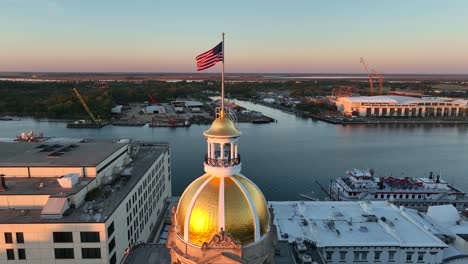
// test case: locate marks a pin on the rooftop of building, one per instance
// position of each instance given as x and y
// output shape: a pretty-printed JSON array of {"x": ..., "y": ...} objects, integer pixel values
[
  {"x": 445, "y": 222},
  {"x": 397, "y": 99},
  {"x": 41, "y": 186},
  {"x": 101, "y": 204},
  {"x": 335, "y": 224},
  {"x": 85, "y": 153}
]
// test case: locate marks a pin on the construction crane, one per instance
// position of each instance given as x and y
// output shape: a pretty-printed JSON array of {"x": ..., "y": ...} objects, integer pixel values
[
  {"x": 170, "y": 120},
  {"x": 380, "y": 76},
  {"x": 85, "y": 106},
  {"x": 152, "y": 100},
  {"x": 369, "y": 73}
]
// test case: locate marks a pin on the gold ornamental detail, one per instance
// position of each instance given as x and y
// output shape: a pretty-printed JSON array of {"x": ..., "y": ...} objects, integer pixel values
[{"x": 221, "y": 240}]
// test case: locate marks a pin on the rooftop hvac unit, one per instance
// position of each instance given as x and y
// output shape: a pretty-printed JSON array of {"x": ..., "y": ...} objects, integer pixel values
[
  {"x": 68, "y": 180},
  {"x": 305, "y": 259}
]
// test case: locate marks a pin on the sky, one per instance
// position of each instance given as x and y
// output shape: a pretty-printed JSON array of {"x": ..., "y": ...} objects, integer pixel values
[{"x": 296, "y": 36}]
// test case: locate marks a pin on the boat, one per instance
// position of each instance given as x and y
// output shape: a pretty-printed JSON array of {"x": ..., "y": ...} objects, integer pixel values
[
  {"x": 30, "y": 136},
  {"x": 417, "y": 193},
  {"x": 87, "y": 124}
]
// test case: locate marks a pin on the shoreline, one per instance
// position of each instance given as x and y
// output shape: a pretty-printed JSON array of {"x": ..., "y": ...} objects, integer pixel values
[{"x": 336, "y": 121}]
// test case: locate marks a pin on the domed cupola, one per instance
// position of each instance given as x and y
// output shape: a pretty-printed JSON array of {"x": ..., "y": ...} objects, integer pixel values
[
  {"x": 222, "y": 199},
  {"x": 231, "y": 203}
]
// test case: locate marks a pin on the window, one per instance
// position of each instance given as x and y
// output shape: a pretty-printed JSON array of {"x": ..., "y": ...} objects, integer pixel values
[
  {"x": 421, "y": 256},
  {"x": 377, "y": 255},
  {"x": 19, "y": 237},
  {"x": 112, "y": 245},
  {"x": 409, "y": 256},
  {"x": 360, "y": 256},
  {"x": 391, "y": 255},
  {"x": 343, "y": 255},
  {"x": 63, "y": 237},
  {"x": 64, "y": 253},
  {"x": 113, "y": 259},
  {"x": 21, "y": 253},
  {"x": 110, "y": 229},
  {"x": 8, "y": 238},
  {"x": 89, "y": 237},
  {"x": 329, "y": 255},
  {"x": 91, "y": 253},
  {"x": 10, "y": 254}
]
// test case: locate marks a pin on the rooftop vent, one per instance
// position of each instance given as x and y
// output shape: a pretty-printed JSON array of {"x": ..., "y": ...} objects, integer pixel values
[
  {"x": 363, "y": 229},
  {"x": 68, "y": 180},
  {"x": 370, "y": 218},
  {"x": 305, "y": 258}
]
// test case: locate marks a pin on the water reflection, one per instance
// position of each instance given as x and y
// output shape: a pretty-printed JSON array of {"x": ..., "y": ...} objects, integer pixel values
[{"x": 285, "y": 158}]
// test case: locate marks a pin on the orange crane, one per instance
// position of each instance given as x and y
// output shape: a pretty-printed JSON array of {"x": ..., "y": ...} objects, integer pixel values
[
  {"x": 380, "y": 75},
  {"x": 85, "y": 106},
  {"x": 371, "y": 82}
]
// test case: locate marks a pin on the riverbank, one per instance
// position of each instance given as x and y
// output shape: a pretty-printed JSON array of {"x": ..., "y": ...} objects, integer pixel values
[{"x": 341, "y": 120}]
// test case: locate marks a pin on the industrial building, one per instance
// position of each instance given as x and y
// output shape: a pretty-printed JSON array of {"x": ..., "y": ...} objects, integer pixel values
[
  {"x": 402, "y": 106},
  {"x": 80, "y": 201}
]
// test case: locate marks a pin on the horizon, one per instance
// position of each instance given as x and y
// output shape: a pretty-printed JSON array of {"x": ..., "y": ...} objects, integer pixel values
[{"x": 299, "y": 37}]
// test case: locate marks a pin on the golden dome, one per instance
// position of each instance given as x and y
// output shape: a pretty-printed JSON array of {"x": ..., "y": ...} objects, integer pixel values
[
  {"x": 222, "y": 127},
  {"x": 212, "y": 202}
]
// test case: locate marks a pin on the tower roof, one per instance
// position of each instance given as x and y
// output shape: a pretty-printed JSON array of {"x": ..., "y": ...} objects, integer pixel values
[
  {"x": 213, "y": 202},
  {"x": 222, "y": 127}
]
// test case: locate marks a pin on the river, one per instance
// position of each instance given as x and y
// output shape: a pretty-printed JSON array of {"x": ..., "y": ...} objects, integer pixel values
[{"x": 287, "y": 157}]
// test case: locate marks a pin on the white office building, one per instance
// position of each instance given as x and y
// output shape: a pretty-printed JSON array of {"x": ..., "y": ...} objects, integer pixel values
[
  {"x": 80, "y": 201},
  {"x": 402, "y": 106},
  {"x": 356, "y": 232}
]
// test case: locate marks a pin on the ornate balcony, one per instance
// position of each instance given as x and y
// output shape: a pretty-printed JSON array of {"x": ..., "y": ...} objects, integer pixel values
[{"x": 218, "y": 162}]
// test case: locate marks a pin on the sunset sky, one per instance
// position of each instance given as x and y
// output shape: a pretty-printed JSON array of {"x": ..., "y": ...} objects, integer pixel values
[{"x": 309, "y": 36}]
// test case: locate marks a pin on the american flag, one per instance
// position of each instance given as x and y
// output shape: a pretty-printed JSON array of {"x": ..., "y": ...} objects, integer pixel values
[{"x": 210, "y": 58}]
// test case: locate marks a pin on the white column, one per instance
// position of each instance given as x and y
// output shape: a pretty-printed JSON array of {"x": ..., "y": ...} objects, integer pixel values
[
  {"x": 222, "y": 150},
  {"x": 235, "y": 150},
  {"x": 208, "y": 151},
  {"x": 212, "y": 153},
  {"x": 232, "y": 150}
]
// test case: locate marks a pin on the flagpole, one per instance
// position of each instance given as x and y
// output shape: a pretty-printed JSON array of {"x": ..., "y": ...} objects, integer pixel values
[{"x": 222, "y": 81}]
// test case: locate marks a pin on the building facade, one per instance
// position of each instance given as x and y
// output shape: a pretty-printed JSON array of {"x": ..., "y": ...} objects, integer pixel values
[
  {"x": 402, "y": 106},
  {"x": 80, "y": 202},
  {"x": 356, "y": 232}
]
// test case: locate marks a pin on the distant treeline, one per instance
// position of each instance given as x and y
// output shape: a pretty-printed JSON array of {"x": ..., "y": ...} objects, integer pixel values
[{"x": 57, "y": 100}]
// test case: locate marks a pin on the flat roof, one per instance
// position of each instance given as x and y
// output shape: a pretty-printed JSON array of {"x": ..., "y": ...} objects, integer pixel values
[
  {"x": 350, "y": 224},
  {"x": 80, "y": 154},
  {"x": 41, "y": 186},
  {"x": 109, "y": 196},
  {"x": 397, "y": 99}
]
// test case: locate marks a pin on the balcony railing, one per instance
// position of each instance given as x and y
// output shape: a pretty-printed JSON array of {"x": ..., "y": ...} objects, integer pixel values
[{"x": 218, "y": 162}]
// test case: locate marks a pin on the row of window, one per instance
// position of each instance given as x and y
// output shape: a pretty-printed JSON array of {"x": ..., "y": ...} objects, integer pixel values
[
  {"x": 11, "y": 253},
  {"x": 9, "y": 237},
  {"x": 144, "y": 200},
  {"x": 401, "y": 196},
  {"x": 60, "y": 253},
  {"x": 67, "y": 237},
  {"x": 415, "y": 112},
  {"x": 363, "y": 256},
  {"x": 69, "y": 253}
]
